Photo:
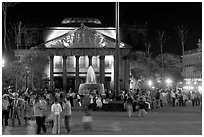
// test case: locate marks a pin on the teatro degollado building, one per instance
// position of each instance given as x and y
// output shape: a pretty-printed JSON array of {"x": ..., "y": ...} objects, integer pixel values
[{"x": 71, "y": 50}]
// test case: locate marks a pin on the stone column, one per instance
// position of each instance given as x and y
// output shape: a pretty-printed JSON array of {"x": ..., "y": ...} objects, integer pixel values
[
  {"x": 51, "y": 72},
  {"x": 102, "y": 69},
  {"x": 90, "y": 60},
  {"x": 64, "y": 73},
  {"x": 77, "y": 73},
  {"x": 127, "y": 74}
]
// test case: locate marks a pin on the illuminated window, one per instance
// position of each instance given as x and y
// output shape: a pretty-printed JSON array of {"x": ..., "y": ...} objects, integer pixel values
[
  {"x": 95, "y": 61},
  {"x": 83, "y": 61},
  {"x": 70, "y": 61},
  {"x": 58, "y": 61},
  {"x": 108, "y": 61}
]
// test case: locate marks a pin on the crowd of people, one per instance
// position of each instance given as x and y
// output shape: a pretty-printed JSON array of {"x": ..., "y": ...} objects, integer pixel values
[
  {"x": 46, "y": 109},
  {"x": 40, "y": 108},
  {"x": 146, "y": 100}
]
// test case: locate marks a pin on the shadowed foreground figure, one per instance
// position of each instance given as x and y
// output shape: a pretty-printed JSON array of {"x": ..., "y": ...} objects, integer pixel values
[
  {"x": 86, "y": 102},
  {"x": 87, "y": 119}
]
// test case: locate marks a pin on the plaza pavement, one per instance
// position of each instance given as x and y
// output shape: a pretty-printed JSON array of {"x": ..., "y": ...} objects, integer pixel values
[{"x": 165, "y": 121}]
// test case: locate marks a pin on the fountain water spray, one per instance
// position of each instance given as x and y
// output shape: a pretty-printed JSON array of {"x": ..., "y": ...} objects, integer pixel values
[{"x": 91, "y": 84}]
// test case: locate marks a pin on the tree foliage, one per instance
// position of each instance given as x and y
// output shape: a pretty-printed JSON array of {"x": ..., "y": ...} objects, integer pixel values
[
  {"x": 13, "y": 74},
  {"x": 172, "y": 64},
  {"x": 143, "y": 66},
  {"x": 36, "y": 64},
  {"x": 32, "y": 66}
]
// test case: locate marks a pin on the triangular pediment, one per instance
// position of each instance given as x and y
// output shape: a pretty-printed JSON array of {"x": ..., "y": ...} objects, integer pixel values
[{"x": 82, "y": 37}]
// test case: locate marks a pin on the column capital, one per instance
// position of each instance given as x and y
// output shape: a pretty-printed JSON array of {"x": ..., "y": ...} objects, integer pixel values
[
  {"x": 51, "y": 56},
  {"x": 64, "y": 57},
  {"x": 77, "y": 57},
  {"x": 101, "y": 57}
]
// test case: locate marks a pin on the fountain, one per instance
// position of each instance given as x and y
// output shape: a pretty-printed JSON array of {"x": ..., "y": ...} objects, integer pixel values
[{"x": 91, "y": 85}]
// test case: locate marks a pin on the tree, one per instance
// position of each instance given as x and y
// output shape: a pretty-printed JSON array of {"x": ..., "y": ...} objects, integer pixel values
[
  {"x": 142, "y": 67},
  {"x": 36, "y": 64},
  {"x": 182, "y": 33},
  {"x": 15, "y": 33},
  {"x": 13, "y": 74},
  {"x": 172, "y": 65},
  {"x": 148, "y": 46},
  {"x": 5, "y": 5},
  {"x": 162, "y": 40}
]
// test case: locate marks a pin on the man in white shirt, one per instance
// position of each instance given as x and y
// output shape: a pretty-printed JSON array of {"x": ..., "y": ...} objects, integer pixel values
[
  {"x": 67, "y": 113},
  {"x": 56, "y": 109}
]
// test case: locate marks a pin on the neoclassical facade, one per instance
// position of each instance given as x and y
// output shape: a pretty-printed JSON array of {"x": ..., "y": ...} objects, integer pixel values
[{"x": 72, "y": 50}]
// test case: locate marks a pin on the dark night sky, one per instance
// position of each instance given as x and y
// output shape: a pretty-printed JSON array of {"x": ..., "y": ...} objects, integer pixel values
[{"x": 159, "y": 16}]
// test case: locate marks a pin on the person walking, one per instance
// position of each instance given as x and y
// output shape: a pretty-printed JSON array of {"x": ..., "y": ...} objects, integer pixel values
[
  {"x": 157, "y": 99},
  {"x": 44, "y": 106},
  {"x": 173, "y": 96},
  {"x": 38, "y": 113},
  {"x": 5, "y": 110},
  {"x": 27, "y": 110},
  {"x": 15, "y": 114},
  {"x": 56, "y": 109},
  {"x": 142, "y": 105},
  {"x": 193, "y": 98},
  {"x": 129, "y": 104},
  {"x": 67, "y": 114},
  {"x": 87, "y": 121}
]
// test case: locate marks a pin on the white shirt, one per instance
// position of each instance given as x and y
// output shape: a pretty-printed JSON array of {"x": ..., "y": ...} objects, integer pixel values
[
  {"x": 5, "y": 104},
  {"x": 99, "y": 102},
  {"x": 56, "y": 109},
  {"x": 173, "y": 95}
]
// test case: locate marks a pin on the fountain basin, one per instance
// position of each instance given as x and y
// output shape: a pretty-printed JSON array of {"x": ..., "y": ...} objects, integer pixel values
[{"x": 88, "y": 88}]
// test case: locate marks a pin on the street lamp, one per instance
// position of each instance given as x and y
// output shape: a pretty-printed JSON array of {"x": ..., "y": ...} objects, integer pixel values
[
  {"x": 150, "y": 83},
  {"x": 168, "y": 82}
]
